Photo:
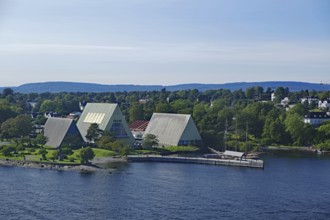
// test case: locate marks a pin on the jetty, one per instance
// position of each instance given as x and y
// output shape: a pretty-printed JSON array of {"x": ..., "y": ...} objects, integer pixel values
[{"x": 197, "y": 160}]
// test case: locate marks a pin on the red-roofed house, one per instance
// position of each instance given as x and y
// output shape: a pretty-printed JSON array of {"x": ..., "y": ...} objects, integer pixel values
[{"x": 137, "y": 128}]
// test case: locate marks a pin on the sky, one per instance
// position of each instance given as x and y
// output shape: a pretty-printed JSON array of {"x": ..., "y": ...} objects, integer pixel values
[{"x": 164, "y": 42}]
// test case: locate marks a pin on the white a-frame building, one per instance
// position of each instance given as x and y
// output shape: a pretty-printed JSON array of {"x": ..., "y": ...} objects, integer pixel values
[
  {"x": 174, "y": 130},
  {"x": 109, "y": 118}
]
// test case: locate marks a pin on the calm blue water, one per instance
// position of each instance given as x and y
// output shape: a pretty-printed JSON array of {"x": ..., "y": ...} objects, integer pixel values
[{"x": 288, "y": 188}]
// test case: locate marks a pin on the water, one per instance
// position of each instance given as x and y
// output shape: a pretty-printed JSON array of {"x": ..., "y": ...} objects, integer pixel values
[{"x": 288, "y": 188}]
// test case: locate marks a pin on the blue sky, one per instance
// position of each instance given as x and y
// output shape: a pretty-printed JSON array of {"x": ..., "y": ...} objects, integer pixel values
[{"x": 164, "y": 41}]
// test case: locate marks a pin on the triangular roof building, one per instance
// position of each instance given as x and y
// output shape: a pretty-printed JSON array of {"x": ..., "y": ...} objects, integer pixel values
[
  {"x": 174, "y": 130},
  {"x": 58, "y": 129},
  {"x": 109, "y": 118}
]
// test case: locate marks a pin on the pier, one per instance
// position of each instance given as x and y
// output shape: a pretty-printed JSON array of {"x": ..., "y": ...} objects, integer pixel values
[{"x": 198, "y": 160}]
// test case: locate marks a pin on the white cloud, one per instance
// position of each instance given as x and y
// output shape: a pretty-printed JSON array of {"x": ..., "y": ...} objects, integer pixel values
[
  {"x": 37, "y": 48},
  {"x": 232, "y": 52},
  {"x": 166, "y": 63}
]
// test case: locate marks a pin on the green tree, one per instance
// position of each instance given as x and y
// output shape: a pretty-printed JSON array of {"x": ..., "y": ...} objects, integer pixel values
[
  {"x": 279, "y": 94},
  {"x": 299, "y": 109},
  {"x": 6, "y": 129},
  {"x": 323, "y": 133},
  {"x": 259, "y": 91},
  {"x": 150, "y": 140},
  {"x": 301, "y": 133},
  {"x": 7, "y": 91},
  {"x": 162, "y": 107},
  {"x": 41, "y": 139},
  {"x": 181, "y": 106},
  {"x": 43, "y": 153},
  {"x": 6, "y": 112},
  {"x": 16, "y": 127},
  {"x": 86, "y": 154},
  {"x": 324, "y": 145},
  {"x": 93, "y": 132},
  {"x": 22, "y": 125},
  {"x": 48, "y": 106},
  {"x": 117, "y": 145},
  {"x": 125, "y": 151},
  {"x": 66, "y": 151},
  {"x": 106, "y": 140},
  {"x": 136, "y": 112},
  {"x": 54, "y": 155},
  {"x": 324, "y": 95},
  {"x": 274, "y": 131},
  {"x": 7, "y": 150},
  {"x": 250, "y": 93},
  {"x": 199, "y": 111}
]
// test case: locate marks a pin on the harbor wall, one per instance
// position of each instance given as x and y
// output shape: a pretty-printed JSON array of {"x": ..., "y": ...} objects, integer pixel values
[{"x": 240, "y": 163}]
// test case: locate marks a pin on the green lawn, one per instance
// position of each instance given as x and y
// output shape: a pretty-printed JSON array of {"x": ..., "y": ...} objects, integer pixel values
[
  {"x": 104, "y": 153},
  {"x": 72, "y": 159},
  {"x": 181, "y": 148},
  {"x": 143, "y": 151},
  {"x": 98, "y": 153},
  {"x": 167, "y": 149},
  {"x": 11, "y": 158}
]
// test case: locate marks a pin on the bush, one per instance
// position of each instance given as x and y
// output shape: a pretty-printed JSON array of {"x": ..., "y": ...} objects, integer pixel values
[
  {"x": 324, "y": 145},
  {"x": 125, "y": 151},
  {"x": 86, "y": 154},
  {"x": 71, "y": 159},
  {"x": 54, "y": 155},
  {"x": 43, "y": 153},
  {"x": 7, "y": 150},
  {"x": 20, "y": 147},
  {"x": 67, "y": 151},
  {"x": 118, "y": 146}
]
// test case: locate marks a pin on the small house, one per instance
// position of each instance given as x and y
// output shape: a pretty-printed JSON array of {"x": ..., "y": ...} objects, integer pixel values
[{"x": 316, "y": 118}]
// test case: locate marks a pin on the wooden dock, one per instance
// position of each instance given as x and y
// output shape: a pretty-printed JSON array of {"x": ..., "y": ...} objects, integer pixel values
[{"x": 198, "y": 160}]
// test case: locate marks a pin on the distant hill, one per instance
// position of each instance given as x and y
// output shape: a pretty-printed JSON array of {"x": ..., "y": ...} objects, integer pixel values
[{"x": 55, "y": 87}]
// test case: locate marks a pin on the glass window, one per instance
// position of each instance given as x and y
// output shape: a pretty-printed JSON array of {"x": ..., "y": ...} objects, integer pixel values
[{"x": 118, "y": 130}]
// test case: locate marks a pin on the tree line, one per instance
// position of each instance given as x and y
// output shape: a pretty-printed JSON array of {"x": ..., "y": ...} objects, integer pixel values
[{"x": 235, "y": 119}]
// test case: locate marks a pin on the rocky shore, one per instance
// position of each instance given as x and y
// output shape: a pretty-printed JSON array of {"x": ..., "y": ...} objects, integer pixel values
[{"x": 52, "y": 166}]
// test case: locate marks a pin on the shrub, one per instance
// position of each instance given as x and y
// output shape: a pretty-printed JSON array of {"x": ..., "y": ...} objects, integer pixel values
[
  {"x": 67, "y": 151},
  {"x": 86, "y": 154},
  {"x": 72, "y": 159},
  {"x": 7, "y": 150}
]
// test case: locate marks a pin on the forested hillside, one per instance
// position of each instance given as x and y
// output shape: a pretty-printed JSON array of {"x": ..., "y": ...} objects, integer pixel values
[{"x": 56, "y": 87}]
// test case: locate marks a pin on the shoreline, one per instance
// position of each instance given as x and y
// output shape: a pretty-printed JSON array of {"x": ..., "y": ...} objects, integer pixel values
[
  {"x": 53, "y": 166},
  {"x": 251, "y": 163},
  {"x": 288, "y": 148}
]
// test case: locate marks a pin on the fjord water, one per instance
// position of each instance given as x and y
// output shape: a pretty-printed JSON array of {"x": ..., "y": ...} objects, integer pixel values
[{"x": 288, "y": 188}]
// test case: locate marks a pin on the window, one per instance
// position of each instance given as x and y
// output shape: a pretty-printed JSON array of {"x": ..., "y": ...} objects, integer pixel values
[
  {"x": 94, "y": 117},
  {"x": 118, "y": 130}
]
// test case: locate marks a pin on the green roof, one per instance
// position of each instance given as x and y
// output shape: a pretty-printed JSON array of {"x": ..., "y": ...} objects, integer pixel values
[{"x": 104, "y": 114}]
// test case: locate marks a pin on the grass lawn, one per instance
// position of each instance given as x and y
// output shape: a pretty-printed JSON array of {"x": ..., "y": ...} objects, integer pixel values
[
  {"x": 104, "y": 153},
  {"x": 11, "y": 158},
  {"x": 144, "y": 151},
  {"x": 33, "y": 155},
  {"x": 181, "y": 148},
  {"x": 167, "y": 149},
  {"x": 98, "y": 153}
]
